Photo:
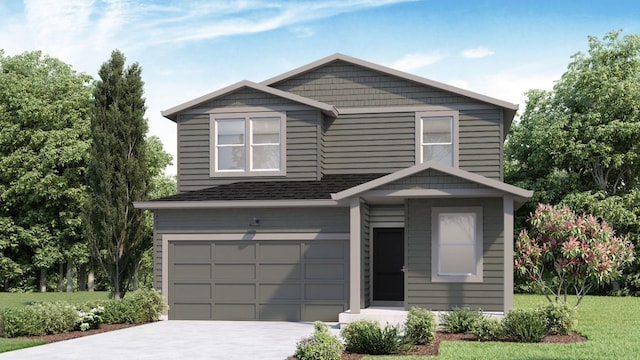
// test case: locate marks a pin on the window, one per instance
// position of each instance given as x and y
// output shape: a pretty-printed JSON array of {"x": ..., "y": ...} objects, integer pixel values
[
  {"x": 436, "y": 137},
  {"x": 456, "y": 244},
  {"x": 248, "y": 145}
]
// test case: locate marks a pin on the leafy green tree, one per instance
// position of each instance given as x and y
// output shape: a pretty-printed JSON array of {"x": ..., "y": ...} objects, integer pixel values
[
  {"x": 44, "y": 140},
  {"x": 160, "y": 185},
  {"x": 117, "y": 173},
  {"x": 579, "y": 144},
  {"x": 564, "y": 253}
]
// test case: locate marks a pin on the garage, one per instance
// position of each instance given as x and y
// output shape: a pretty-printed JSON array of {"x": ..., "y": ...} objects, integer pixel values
[{"x": 280, "y": 280}]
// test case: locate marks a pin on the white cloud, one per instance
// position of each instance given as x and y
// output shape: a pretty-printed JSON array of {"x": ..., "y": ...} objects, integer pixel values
[
  {"x": 462, "y": 84},
  {"x": 412, "y": 62},
  {"x": 477, "y": 53}
]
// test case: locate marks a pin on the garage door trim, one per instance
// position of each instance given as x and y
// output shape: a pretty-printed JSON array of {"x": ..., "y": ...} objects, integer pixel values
[{"x": 166, "y": 238}]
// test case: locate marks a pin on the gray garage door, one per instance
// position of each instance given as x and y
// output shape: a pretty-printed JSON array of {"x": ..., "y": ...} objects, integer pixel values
[{"x": 258, "y": 280}]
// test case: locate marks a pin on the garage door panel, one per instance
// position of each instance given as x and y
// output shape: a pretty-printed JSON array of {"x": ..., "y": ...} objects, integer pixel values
[
  {"x": 192, "y": 291},
  {"x": 235, "y": 250},
  {"x": 321, "y": 312},
  {"x": 235, "y": 272},
  {"x": 325, "y": 250},
  {"x": 186, "y": 272},
  {"x": 191, "y": 311},
  {"x": 224, "y": 311},
  {"x": 279, "y": 252},
  {"x": 280, "y": 312},
  {"x": 192, "y": 251},
  {"x": 280, "y": 291},
  {"x": 290, "y": 280},
  {"x": 324, "y": 271},
  {"x": 324, "y": 291},
  {"x": 280, "y": 272},
  {"x": 238, "y": 292}
]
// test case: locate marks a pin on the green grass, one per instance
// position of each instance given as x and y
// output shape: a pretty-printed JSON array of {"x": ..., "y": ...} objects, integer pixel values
[
  {"x": 611, "y": 324},
  {"x": 13, "y": 300}
]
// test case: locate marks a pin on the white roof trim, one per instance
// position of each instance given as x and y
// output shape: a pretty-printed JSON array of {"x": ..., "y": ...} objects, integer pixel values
[
  {"x": 479, "y": 179},
  {"x": 326, "y": 108},
  {"x": 157, "y": 205},
  {"x": 394, "y": 72}
]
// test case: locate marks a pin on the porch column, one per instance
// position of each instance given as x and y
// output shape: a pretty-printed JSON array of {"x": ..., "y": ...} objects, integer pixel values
[
  {"x": 507, "y": 206},
  {"x": 354, "y": 256}
]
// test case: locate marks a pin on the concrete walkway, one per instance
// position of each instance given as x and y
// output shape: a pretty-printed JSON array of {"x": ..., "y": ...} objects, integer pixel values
[{"x": 228, "y": 340}]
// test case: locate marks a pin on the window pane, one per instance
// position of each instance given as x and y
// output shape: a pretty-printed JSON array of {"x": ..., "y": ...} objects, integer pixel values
[
  {"x": 266, "y": 130},
  {"x": 266, "y": 157},
  {"x": 457, "y": 229},
  {"x": 231, "y": 158},
  {"x": 230, "y": 131},
  {"x": 457, "y": 259},
  {"x": 438, "y": 153},
  {"x": 436, "y": 130}
]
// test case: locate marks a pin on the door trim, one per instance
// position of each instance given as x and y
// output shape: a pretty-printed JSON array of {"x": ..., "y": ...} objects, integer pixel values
[{"x": 389, "y": 224}]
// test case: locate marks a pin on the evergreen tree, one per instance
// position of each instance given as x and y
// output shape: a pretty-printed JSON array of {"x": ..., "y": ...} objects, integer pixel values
[{"x": 117, "y": 172}]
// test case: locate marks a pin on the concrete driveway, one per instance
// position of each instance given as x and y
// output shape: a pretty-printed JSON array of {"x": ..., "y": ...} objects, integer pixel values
[{"x": 228, "y": 340}]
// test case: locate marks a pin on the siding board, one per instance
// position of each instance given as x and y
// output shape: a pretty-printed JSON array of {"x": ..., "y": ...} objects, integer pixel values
[{"x": 444, "y": 296}]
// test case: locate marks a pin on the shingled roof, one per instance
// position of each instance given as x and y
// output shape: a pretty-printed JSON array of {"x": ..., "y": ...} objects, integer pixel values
[{"x": 276, "y": 190}]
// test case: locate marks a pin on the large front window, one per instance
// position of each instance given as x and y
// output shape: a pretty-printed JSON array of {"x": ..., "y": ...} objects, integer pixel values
[
  {"x": 436, "y": 137},
  {"x": 456, "y": 240},
  {"x": 248, "y": 145}
]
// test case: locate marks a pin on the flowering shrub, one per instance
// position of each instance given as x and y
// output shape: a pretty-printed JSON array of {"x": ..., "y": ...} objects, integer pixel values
[
  {"x": 90, "y": 319},
  {"x": 319, "y": 346},
  {"x": 565, "y": 252}
]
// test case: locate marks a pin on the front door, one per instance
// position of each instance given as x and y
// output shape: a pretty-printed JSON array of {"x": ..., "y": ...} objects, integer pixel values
[{"x": 388, "y": 263}]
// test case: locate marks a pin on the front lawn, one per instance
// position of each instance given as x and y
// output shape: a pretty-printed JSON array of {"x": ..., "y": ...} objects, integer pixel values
[
  {"x": 12, "y": 300},
  {"x": 611, "y": 324}
]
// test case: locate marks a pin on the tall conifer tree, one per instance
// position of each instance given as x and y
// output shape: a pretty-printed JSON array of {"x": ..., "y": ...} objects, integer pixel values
[{"x": 117, "y": 173}]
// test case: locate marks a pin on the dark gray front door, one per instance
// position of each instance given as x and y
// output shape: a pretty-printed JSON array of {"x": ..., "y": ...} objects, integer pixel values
[{"x": 388, "y": 260}]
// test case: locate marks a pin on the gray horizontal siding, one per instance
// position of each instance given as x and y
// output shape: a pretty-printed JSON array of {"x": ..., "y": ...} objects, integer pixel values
[
  {"x": 387, "y": 214},
  {"x": 347, "y": 85},
  {"x": 480, "y": 142},
  {"x": 366, "y": 254},
  {"x": 194, "y": 150},
  {"x": 421, "y": 292},
  {"x": 367, "y": 143},
  {"x": 220, "y": 221}
]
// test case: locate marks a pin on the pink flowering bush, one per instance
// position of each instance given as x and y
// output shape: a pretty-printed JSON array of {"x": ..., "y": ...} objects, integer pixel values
[{"x": 565, "y": 253}]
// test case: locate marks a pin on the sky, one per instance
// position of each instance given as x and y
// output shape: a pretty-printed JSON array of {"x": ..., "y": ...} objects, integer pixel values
[{"x": 192, "y": 47}]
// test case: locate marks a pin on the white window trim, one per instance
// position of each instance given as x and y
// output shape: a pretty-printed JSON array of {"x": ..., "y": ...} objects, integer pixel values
[
  {"x": 454, "y": 133},
  {"x": 248, "y": 145},
  {"x": 435, "y": 245}
]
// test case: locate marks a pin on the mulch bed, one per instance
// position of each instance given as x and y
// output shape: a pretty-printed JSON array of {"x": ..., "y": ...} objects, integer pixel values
[
  {"x": 432, "y": 350},
  {"x": 77, "y": 334}
]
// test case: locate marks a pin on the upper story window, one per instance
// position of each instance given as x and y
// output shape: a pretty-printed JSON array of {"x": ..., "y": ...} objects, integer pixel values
[
  {"x": 250, "y": 144},
  {"x": 437, "y": 137},
  {"x": 456, "y": 243}
]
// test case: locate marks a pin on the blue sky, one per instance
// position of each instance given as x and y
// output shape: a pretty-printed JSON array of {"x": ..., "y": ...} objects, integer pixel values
[{"x": 192, "y": 47}]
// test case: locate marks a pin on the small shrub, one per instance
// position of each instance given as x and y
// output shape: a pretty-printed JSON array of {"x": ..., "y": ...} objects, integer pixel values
[
  {"x": 90, "y": 319},
  {"x": 137, "y": 307},
  {"x": 319, "y": 346},
  {"x": 147, "y": 304},
  {"x": 39, "y": 319},
  {"x": 527, "y": 325},
  {"x": 1, "y": 323},
  {"x": 368, "y": 337},
  {"x": 488, "y": 329},
  {"x": 560, "y": 318},
  {"x": 460, "y": 320},
  {"x": 420, "y": 326}
]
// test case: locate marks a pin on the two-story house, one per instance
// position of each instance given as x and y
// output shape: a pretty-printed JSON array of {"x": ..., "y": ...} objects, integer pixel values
[{"x": 339, "y": 186}]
